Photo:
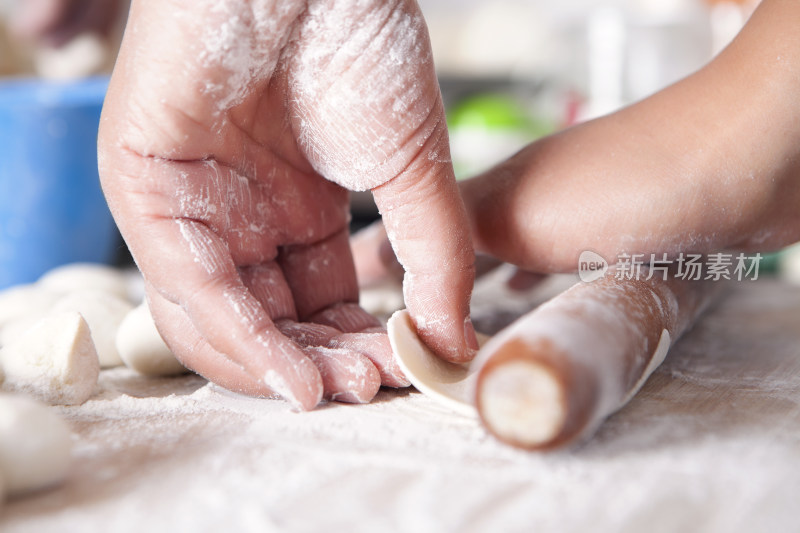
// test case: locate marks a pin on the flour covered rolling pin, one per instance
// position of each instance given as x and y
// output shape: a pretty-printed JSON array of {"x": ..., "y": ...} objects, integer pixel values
[{"x": 553, "y": 376}]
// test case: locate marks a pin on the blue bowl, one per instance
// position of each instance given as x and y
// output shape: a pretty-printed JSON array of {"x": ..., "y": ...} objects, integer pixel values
[{"x": 52, "y": 210}]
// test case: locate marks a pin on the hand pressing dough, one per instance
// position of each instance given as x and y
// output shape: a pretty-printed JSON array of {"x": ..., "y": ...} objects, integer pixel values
[
  {"x": 104, "y": 313},
  {"x": 54, "y": 360},
  {"x": 35, "y": 445},
  {"x": 84, "y": 277},
  {"x": 141, "y": 347},
  {"x": 451, "y": 384}
]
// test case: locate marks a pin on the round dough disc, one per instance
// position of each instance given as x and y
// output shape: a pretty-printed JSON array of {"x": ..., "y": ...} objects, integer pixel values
[{"x": 452, "y": 385}]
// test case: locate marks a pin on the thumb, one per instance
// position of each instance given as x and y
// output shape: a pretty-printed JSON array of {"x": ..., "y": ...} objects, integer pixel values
[{"x": 367, "y": 112}]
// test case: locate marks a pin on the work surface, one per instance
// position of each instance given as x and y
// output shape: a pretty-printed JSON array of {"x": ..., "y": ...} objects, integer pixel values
[{"x": 711, "y": 443}]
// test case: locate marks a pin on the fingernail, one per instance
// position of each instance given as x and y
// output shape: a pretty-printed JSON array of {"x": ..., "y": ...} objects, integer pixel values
[{"x": 470, "y": 336}]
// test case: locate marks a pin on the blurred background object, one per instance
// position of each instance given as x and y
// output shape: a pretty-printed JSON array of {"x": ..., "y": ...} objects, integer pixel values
[
  {"x": 488, "y": 127},
  {"x": 61, "y": 39},
  {"x": 789, "y": 264},
  {"x": 14, "y": 58},
  {"x": 52, "y": 210},
  {"x": 511, "y": 71}
]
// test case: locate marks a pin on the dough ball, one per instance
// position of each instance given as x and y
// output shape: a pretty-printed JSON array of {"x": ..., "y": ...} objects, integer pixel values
[
  {"x": 54, "y": 360},
  {"x": 103, "y": 312},
  {"x": 86, "y": 276},
  {"x": 14, "y": 330},
  {"x": 142, "y": 348},
  {"x": 82, "y": 56},
  {"x": 25, "y": 301},
  {"x": 35, "y": 445},
  {"x": 136, "y": 287}
]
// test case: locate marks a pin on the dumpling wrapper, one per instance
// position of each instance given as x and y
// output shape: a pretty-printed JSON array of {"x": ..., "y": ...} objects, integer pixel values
[{"x": 450, "y": 384}]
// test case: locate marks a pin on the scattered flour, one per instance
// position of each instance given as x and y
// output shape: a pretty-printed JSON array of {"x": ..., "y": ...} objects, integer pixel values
[{"x": 709, "y": 444}]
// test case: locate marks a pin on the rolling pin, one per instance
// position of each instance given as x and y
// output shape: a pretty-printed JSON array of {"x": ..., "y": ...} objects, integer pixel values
[{"x": 553, "y": 376}]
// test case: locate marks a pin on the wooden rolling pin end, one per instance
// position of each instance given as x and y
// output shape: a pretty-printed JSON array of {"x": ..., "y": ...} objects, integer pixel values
[
  {"x": 533, "y": 398},
  {"x": 551, "y": 378}
]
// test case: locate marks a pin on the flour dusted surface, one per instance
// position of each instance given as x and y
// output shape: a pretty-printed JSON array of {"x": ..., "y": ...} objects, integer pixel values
[{"x": 710, "y": 444}]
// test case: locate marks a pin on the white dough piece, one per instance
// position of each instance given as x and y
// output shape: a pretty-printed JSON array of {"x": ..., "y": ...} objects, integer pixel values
[
  {"x": 141, "y": 347},
  {"x": 103, "y": 312},
  {"x": 135, "y": 283},
  {"x": 14, "y": 330},
  {"x": 83, "y": 56},
  {"x": 86, "y": 276},
  {"x": 35, "y": 445},
  {"x": 54, "y": 360},
  {"x": 23, "y": 301},
  {"x": 452, "y": 385}
]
